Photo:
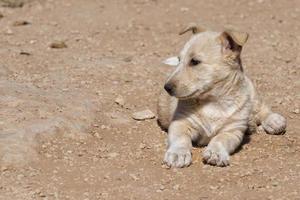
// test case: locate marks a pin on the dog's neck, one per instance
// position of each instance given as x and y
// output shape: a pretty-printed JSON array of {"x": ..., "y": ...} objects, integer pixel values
[
  {"x": 227, "y": 89},
  {"x": 230, "y": 86}
]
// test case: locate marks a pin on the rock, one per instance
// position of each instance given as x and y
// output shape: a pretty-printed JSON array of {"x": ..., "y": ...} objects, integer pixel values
[
  {"x": 21, "y": 23},
  {"x": 213, "y": 187},
  {"x": 42, "y": 195},
  {"x": 127, "y": 59},
  {"x": 296, "y": 111},
  {"x": 176, "y": 187},
  {"x": 58, "y": 45},
  {"x": 112, "y": 155},
  {"x": 134, "y": 177},
  {"x": 9, "y": 32},
  {"x": 164, "y": 166},
  {"x": 97, "y": 135},
  {"x": 1, "y": 15},
  {"x": 142, "y": 146},
  {"x": 184, "y": 9},
  {"x": 161, "y": 187},
  {"x": 103, "y": 127},
  {"x": 275, "y": 184},
  {"x": 25, "y": 53},
  {"x": 3, "y": 169},
  {"x": 143, "y": 115},
  {"x": 12, "y": 3},
  {"x": 120, "y": 101}
]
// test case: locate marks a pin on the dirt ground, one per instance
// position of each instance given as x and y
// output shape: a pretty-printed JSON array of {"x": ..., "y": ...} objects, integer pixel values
[{"x": 63, "y": 136}]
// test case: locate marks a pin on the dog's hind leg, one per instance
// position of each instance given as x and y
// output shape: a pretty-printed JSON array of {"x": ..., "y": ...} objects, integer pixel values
[{"x": 272, "y": 123}]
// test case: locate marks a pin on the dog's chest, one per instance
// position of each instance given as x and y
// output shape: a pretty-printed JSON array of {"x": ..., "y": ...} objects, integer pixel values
[{"x": 211, "y": 117}]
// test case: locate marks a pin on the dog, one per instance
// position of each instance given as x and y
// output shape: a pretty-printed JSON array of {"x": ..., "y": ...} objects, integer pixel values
[{"x": 208, "y": 99}]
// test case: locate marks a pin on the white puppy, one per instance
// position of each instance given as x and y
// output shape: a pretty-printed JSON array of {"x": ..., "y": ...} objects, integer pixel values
[{"x": 208, "y": 100}]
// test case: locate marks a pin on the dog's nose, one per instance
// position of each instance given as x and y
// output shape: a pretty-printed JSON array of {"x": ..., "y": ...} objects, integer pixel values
[{"x": 169, "y": 88}]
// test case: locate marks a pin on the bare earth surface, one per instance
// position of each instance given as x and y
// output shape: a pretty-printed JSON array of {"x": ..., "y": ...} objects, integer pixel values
[{"x": 66, "y": 126}]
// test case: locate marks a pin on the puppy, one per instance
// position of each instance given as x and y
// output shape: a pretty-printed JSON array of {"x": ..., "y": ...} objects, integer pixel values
[{"x": 208, "y": 99}]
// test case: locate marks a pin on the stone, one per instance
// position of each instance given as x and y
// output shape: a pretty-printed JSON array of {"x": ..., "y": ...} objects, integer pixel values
[
  {"x": 296, "y": 111},
  {"x": 176, "y": 187},
  {"x": 25, "y": 53},
  {"x": 21, "y": 23},
  {"x": 58, "y": 45},
  {"x": 120, "y": 100},
  {"x": 12, "y": 3},
  {"x": 143, "y": 115},
  {"x": 112, "y": 155},
  {"x": 142, "y": 146},
  {"x": 134, "y": 177}
]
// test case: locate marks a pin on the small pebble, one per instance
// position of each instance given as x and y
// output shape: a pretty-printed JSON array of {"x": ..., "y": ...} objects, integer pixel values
[
  {"x": 296, "y": 111},
  {"x": 13, "y": 4},
  {"x": 3, "y": 169},
  {"x": 58, "y": 45},
  {"x": 25, "y": 53},
  {"x": 134, "y": 177},
  {"x": 176, "y": 187},
  {"x": 113, "y": 155},
  {"x": 142, "y": 146},
  {"x": 9, "y": 32},
  {"x": 128, "y": 59},
  {"x": 21, "y": 23},
  {"x": 120, "y": 101},
  {"x": 275, "y": 184},
  {"x": 143, "y": 115}
]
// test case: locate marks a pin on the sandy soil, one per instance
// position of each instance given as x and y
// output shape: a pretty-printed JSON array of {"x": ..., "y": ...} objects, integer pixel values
[{"x": 63, "y": 136}]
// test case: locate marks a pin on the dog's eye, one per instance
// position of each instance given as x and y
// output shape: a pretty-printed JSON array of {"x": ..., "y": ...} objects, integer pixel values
[{"x": 195, "y": 62}]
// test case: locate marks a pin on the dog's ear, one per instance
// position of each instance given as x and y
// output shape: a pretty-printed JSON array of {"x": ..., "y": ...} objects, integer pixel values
[
  {"x": 233, "y": 40},
  {"x": 192, "y": 27}
]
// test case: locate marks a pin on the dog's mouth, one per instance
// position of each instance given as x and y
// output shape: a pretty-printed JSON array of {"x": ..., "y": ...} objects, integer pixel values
[{"x": 189, "y": 96}]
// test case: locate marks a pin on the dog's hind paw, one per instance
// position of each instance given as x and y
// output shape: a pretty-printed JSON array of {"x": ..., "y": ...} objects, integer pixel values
[
  {"x": 178, "y": 157},
  {"x": 216, "y": 155},
  {"x": 274, "y": 124}
]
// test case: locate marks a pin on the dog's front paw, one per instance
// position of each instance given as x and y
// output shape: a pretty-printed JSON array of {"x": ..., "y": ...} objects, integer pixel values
[
  {"x": 216, "y": 155},
  {"x": 178, "y": 157},
  {"x": 274, "y": 124}
]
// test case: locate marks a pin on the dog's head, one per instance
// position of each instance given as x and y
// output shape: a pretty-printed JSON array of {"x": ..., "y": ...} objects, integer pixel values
[{"x": 206, "y": 60}]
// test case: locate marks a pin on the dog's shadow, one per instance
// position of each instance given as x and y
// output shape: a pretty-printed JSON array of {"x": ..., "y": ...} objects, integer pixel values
[{"x": 246, "y": 140}]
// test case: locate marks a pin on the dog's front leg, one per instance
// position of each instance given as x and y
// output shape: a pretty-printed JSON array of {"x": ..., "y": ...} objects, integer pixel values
[
  {"x": 179, "y": 145},
  {"x": 221, "y": 146}
]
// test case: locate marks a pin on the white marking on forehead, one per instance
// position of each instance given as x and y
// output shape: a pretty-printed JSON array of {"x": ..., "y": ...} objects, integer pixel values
[{"x": 188, "y": 45}]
